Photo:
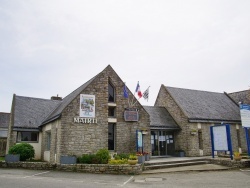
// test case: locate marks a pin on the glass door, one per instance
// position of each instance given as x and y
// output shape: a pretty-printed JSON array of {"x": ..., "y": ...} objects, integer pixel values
[
  {"x": 154, "y": 143},
  {"x": 162, "y": 143}
]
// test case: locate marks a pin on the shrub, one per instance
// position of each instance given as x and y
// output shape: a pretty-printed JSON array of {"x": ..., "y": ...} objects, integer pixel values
[
  {"x": 103, "y": 156},
  {"x": 118, "y": 162},
  {"x": 25, "y": 150},
  {"x": 86, "y": 158},
  {"x": 121, "y": 156}
]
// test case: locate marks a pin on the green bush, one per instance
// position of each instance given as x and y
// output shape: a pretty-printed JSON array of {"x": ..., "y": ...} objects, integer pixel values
[
  {"x": 121, "y": 156},
  {"x": 118, "y": 162},
  {"x": 25, "y": 150},
  {"x": 86, "y": 158},
  {"x": 103, "y": 156}
]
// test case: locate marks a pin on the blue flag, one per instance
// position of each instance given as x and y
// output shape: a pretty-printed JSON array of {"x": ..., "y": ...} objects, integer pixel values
[{"x": 125, "y": 92}]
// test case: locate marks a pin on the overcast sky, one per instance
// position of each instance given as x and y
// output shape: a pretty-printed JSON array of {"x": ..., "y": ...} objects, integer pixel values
[{"x": 51, "y": 47}]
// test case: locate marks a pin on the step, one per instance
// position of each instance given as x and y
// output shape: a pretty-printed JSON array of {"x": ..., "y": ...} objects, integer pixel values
[
  {"x": 172, "y": 165},
  {"x": 149, "y": 163}
]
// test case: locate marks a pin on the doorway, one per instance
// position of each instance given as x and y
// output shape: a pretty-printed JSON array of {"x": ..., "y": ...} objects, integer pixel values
[{"x": 162, "y": 143}]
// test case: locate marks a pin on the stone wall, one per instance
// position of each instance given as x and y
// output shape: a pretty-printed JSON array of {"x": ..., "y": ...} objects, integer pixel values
[
  {"x": 86, "y": 168},
  {"x": 78, "y": 138},
  {"x": 230, "y": 163},
  {"x": 164, "y": 99}
]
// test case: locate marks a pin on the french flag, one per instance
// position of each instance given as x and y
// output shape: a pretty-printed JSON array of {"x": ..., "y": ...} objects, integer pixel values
[{"x": 138, "y": 90}]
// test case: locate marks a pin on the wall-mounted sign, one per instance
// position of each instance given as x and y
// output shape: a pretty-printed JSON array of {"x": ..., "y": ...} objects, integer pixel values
[
  {"x": 131, "y": 114},
  {"x": 85, "y": 120},
  {"x": 87, "y": 106},
  {"x": 245, "y": 115}
]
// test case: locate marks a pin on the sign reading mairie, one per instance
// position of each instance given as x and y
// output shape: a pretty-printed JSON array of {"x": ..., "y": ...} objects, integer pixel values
[{"x": 84, "y": 120}]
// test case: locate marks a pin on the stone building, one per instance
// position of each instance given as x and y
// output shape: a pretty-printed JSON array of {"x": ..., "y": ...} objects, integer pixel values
[
  {"x": 195, "y": 111},
  {"x": 4, "y": 122},
  {"x": 97, "y": 115},
  {"x": 88, "y": 119}
]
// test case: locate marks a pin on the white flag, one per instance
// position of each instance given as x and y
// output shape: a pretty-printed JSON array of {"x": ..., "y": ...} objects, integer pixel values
[{"x": 146, "y": 94}]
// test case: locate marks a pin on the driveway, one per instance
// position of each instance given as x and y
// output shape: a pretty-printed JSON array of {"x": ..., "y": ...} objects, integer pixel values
[{"x": 20, "y": 178}]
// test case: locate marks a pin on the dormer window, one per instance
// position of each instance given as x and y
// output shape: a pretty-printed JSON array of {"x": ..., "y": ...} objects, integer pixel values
[{"x": 111, "y": 91}]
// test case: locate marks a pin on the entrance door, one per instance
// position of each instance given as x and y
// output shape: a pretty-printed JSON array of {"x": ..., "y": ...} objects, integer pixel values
[{"x": 162, "y": 143}]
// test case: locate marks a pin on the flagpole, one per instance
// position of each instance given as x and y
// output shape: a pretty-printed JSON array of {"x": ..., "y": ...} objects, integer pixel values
[
  {"x": 134, "y": 96},
  {"x": 128, "y": 95}
]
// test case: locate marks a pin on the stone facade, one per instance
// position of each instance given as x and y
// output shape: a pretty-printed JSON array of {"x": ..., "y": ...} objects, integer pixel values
[
  {"x": 194, "y": 138},
  {"x": 165, "y": 100},
  {"x": 85, "y": 168},
  {"x": 76, "y": 138}
]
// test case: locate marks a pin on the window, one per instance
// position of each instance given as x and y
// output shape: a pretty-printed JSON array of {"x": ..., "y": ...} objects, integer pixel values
[
  {"x": 3, "y": 134},
  {"x": 200, "y": 139},
  {"x": 27, "y": 136},
  {"x": 111, "y": 91},
  {"x": 48, "y": 140},
  {"x": 111, "y": 136},
  {"x": 111, "y": 111}
]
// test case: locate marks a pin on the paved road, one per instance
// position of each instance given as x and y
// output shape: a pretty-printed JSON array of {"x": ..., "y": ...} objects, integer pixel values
[{"x": 20, "y": 178}]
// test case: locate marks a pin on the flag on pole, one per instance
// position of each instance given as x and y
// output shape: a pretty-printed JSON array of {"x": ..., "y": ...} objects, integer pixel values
[
  {"x": 125, "y": 91},
  {"x": 146, "y": 94},
  {"x": 138, "y": 90}
]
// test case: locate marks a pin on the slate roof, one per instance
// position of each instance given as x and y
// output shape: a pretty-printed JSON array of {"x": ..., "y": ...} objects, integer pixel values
[
  {"x": 30, "y": 112},
  {"x": 241, "y": 96},
  {"x": 204, "y": 105},
  {"x": 65, "y": 101},
  {"x": 160, "y": 118},
  {"x": 4, "y": 119}
]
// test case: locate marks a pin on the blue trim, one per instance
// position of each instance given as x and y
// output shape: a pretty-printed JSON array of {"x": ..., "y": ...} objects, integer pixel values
[
  {"x": 248, "y": 141},
  {"x": 212, "y": 140},
  {"x": 229, "y": 141},
  {"x": 136, "y": 140}
]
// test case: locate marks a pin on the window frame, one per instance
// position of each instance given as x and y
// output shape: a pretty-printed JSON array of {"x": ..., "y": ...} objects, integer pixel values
[
  {"x": 114, "y": 92},
  {"x": 114, "y": 140},
  {"x": 19, "y": 138}
]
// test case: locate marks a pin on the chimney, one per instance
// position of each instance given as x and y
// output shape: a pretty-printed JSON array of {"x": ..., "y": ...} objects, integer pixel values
[{"x": 56, "y": 98}]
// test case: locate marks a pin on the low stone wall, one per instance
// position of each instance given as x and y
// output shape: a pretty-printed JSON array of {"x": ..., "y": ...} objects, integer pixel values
[
  {"x": 86, "y": 168},
  {"x": 244, "y": 163}
]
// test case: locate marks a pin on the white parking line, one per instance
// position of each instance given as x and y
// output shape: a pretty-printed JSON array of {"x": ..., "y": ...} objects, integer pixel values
[
  {"x": 127, "y": 181},
  {"x": 244, "y": 170},
  {"x": 37, "y": 174}
]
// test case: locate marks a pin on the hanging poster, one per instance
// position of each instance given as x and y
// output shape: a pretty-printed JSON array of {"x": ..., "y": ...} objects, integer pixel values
[
  {"x": 139, "y": 139},
  {"x": 87, "y": 106},
  {"x": 245, "y": 115}
]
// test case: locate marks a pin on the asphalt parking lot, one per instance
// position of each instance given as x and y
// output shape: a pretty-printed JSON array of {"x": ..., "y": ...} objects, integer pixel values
[{"x": 20, "y": 178}]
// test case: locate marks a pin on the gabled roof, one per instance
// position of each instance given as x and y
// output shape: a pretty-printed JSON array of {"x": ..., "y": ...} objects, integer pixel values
[
  {"x": 160, "y": 118},
  {"x": 241, "y": 96},
  {"x": 4, "y": 119},
  {"x": 204, "y": 105},
  {"x": 66, "y": 100},
  {"x": 30, "y": 112}
]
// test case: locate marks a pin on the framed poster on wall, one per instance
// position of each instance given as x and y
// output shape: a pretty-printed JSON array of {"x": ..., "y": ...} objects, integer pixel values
[{"x": 87, "y": 106}]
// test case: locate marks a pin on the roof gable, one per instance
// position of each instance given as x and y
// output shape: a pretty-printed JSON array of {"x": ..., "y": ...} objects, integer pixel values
[
  {"x": 69, "y": 98},
  {"x": 205, "y": 105},
  {"x": 241, "y": 96}
]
